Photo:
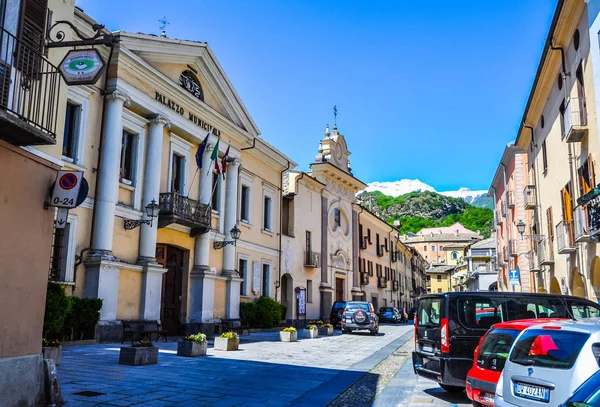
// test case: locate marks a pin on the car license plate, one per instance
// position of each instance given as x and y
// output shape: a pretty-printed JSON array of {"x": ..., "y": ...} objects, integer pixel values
[
  {"x": 532, "y": 392},
  {"x": 426, "y": 348},
  {"x": 487, "y": 397}
]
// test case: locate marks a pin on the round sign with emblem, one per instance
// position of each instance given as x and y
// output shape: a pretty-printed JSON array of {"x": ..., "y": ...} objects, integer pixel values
[{"x": 80, "y": 67}]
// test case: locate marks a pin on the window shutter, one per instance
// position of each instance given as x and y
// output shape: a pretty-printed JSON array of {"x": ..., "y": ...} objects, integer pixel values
[{"x": 32, "y": 34}]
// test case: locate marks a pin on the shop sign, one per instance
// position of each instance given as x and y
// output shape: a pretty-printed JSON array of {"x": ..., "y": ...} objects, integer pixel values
[
  {"x": 82, "y": 67},
  {"x": 514, "y": 277}
]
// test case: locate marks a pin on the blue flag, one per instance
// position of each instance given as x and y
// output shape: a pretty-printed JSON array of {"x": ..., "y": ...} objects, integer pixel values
[{"x": 200, "y": 151}]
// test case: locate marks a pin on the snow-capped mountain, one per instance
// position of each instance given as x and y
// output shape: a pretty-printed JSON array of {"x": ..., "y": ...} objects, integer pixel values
[{"x": 404, "y": 186}]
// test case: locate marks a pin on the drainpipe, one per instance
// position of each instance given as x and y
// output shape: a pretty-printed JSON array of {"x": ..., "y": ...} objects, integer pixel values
[
  {"x": 390, "y": 260},
  {"x": 359, "y": 241},
  {"x": 536, "y": 212},
  {"x": 278, "y": 284},
  {"x": 508, "y": 234}
]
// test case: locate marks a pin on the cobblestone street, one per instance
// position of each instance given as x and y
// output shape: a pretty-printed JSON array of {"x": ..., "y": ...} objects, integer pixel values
[{"x": 263, "y": 372}]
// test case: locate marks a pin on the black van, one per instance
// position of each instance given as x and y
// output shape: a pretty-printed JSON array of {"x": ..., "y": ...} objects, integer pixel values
[{"x": 448, "y": 326}]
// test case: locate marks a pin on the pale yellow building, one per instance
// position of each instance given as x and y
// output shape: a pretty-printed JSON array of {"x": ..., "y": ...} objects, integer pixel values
[{"x": 438, "y": 278}]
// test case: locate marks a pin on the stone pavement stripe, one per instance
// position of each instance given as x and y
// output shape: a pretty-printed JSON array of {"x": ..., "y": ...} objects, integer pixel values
[
  {"x": 399, "y": 389},
  {"x": 329, "y": 390}
]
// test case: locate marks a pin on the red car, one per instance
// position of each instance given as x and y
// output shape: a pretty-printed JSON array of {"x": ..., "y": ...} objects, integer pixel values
[{"x": 490, "y": 357}]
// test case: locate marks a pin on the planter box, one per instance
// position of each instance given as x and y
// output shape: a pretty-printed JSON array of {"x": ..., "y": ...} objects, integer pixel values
[
  {"x": 138, "y": 356},
  {"x": 191, "y": 349},
  {"x": 227, "y": 344},
  {"x": 311, "y": 334},
  {"x": 288, "y": 336},
  {"x": 326, "y": 331},
  {"x": 52, "y": 352}
]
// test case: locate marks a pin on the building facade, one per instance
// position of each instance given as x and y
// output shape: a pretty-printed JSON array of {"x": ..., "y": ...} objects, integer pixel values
[
  {"x": 480, "y": 260},
  {"x": 438, "y": 278}
]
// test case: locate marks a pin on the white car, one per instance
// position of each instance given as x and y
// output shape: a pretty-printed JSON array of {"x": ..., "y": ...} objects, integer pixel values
[{"x": 548, "y": 362}]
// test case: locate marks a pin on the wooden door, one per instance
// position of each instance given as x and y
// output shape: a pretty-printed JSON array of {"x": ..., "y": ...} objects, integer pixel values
[
  {"x": 171, "y": 258},
  {"x": 339, "y": 289}
]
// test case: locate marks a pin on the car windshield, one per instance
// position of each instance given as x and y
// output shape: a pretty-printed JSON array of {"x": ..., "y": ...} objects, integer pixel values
[
  {"x": 554, "y": 349},
  {"x": 495, "y": 348},
  {"x": 384, "y": 309},
  {"x": 356, "y": 306},
  {"x": 429, "y": 312}
]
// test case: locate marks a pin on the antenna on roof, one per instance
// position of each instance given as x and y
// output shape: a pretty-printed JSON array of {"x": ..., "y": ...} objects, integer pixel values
[{"x": 163, "y": 25}]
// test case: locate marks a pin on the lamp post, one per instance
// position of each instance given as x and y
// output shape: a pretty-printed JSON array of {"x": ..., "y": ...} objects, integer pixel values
[
  {"x": 521, "y": 229},
  {"x": 235, "y": 235},
  {"x": 152, "y": 211}
]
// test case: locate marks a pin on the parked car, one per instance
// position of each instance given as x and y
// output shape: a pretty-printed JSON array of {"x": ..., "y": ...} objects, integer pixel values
[
  {"x": 389, "y": 314},
  {"x": 335, "y": 316},
  {"x": 548, "y": 362},
  {"x": 587, "y": 395},
  {"x": 490, "y": 356},
  {"x": 448, "y": 327},
  {"x": 360, "y": 315}
]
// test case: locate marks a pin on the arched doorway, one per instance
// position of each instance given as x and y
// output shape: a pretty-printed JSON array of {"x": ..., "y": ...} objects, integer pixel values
[
  {"x": 555, "y": 286},
  {"x": 595, "y": 273},
  {"x": 287, "y": 295},
  {"x": 577, "y": 283}
]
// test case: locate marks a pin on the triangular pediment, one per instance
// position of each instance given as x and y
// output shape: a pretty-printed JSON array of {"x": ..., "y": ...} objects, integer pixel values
[{"x": 193, "y": 66}]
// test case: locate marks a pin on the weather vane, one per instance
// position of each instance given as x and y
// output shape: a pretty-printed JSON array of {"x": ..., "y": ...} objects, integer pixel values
[
  {"x": 335, "y": 115},
  {"x": 163, "y": 25}
]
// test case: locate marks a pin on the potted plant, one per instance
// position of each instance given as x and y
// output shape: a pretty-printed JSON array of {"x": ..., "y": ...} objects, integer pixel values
[
  {"x": 140, "y": 353},
  {"x": 288, "y": 334},
  {"x": 311, "y": 332},
  {"x": 326, "y": 330},
  {"x": 227, "y": 341},
  {"x": 51, "y": 350},
  {"x": 192, "y": 346}
]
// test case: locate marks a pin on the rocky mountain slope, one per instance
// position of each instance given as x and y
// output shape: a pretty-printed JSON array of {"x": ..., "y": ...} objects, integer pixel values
[{"x": 405, "y": 186}]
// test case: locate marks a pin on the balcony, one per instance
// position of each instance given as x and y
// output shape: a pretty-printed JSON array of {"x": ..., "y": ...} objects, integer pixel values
[
  {"x": 381, "y": 282},
  {"x": 364, "y": 279},
  {"x": 546, "y": 252},
  {"x": 175, "y": 208},
  {"x": 533, "y": 262},
  {"x": 505, "y": 254},
  {"x": 395, "y": 286},
  {"x": 499, "y": 218},
  {"x": 393, "y": 256},
  {"x": 363, "y": 242},
  {"x": 380, "y": 250},
  {"x": 529, "y": 195},
  {"x": 575, "y": 126},
  {"x": 514, "y": 247},
  {"x": 565, "y": 237},
  {"x": 312, "y": 259},
  {"x": 582, "y": 228},
  {"x": 510, "y": 199},
  {"x": 29, "y": 93}
]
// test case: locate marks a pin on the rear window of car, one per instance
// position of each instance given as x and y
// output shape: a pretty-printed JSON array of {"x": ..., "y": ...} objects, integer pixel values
[
  {"x": 384, "y": 309},
  {"x": 555, "y": 349},
  {"x": 479, "y": 313},
  {"x": 495, "y": 348},
  {"x": 338, "y": 305},
  {"x": 429, "y": 312},
  {"x": 352, "y": 307}
]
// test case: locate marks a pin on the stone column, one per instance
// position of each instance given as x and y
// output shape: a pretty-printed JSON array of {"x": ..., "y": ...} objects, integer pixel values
[
  {"x": 108, "y": 175},
  {"x": 152, "y": 170},
  {"x": 101, "y": 272},
  {"x": 202, "y": 279},
  {"x": 231, "y": 199}
]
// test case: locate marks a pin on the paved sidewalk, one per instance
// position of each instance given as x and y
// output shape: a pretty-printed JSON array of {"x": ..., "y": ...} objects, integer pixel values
[{"x": 263, "y": 372}]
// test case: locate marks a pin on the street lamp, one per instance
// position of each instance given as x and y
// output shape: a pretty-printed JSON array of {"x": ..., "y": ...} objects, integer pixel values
[
  {"x": 152, "y": 211},
  {"x": 235, "y": 235},
  {"x": 521, "y": 229}
]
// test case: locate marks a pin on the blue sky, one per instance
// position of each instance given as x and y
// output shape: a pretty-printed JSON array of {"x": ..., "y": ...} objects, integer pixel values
[{"x": 424, "y": 89}]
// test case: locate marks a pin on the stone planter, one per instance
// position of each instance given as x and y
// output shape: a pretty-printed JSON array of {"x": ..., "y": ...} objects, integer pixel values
[
  {"x": 311, "y": 333},
  {"x": 326, "y": 331},
  {"x": 138, "y": 356},
  {"x": 227, "y": 344},
  {"x": 288, "y": 336},
  {"x": 52, "y": 352},
  {"x": 191, "y": 349}
]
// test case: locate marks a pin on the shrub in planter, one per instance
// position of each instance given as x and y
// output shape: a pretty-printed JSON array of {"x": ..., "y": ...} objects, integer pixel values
[
  {"x": 326, "y": 329},
  {"x": 248, "y": 314},
  {"x": 288, "y": 334},
  {"x": 268, "y": 312},
  {"x": 192, "y": 346},
  {"x": 311, "y": 332},
  {"x": 227, "y": 341},
  {"x": 81, "y": 320},
  {"x": 141, "y": 353},
  {"x": 51, "y": 350},
  {"x": 57, "y": 308}
]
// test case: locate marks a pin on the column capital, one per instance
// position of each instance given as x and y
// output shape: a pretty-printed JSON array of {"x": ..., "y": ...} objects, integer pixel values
[
  {"x": 119, "y": 95},
  {"x": 234, "y": 162},
  {"x": 160, "y": 120}
]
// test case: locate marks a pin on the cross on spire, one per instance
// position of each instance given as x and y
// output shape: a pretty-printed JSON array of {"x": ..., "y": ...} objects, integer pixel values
[
  {"x": 163, "y": 25},
  {"x": 335, "y": 116}
]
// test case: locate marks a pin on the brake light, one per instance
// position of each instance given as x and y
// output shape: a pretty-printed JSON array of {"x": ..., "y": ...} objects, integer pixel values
[
  {"x": 445, "y": 339},
  {"x": 555, "y": 328}
]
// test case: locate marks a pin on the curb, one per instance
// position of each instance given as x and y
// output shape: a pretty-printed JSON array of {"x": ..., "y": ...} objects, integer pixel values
[{"x": 399, "y": 388}]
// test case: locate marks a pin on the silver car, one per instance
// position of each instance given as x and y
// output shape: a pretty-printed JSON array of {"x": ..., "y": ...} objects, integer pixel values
[
  {"x": 359, "y": 315},
  {"x": 548, "y": 362}
]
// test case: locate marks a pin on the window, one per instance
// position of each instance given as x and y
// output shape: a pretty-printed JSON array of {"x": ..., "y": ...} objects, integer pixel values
[
  {"x": 550, "y": 223},
  {"x": 369, "y": 235},
  {"x": 567, "y": 202},
  {"x": 544, "y": 158},
  {"x": 216, "y": 192},
  {"x": 478, "y": 313},
  {"x": 454, "y": 255},
  {"x": 576, "y": 40},
  {"x": 439, "y": 290},
  {"x": 62, "y": 261},
  {"x": 337, "y": 221},
  {"x": 267, "y": 212},
  {"x": 441, "y": 248},
  {"x": 433, "y": 248},
  {"x": 127, "y": 156},
  {"x": 439, "y": 278},
  {"x": 429, "y": 312},
  {"x": 586, "y": 175},
  {"x": 547, "y": 348},
  {"x": 245, "y": 204},
  {"x": 69, "y": 149},
  {"x": 562, "y": 110},
  {"x": 581, "y": 311},
  {"x": 308, "y": 242},
  {"x": 385, "y": 242},
  {"x": 266, "y": 271},
  {"x": 243, "y": 271},
  {"x": 424, "y": 248},
  {"x": 177, "y": 174},
  {"x": 309, "y": 290},
  {"x": 495, "y": 347}
]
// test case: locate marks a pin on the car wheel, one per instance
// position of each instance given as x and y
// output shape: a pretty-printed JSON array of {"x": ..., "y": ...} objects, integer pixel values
[{"x": 452, "y": 389}]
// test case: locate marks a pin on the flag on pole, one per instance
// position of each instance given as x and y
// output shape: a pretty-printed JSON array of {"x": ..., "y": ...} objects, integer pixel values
[
  {"x": 215, "y": 157},
  {"x": 201, "y": 149},
  {"x": 224, "y": 161}
]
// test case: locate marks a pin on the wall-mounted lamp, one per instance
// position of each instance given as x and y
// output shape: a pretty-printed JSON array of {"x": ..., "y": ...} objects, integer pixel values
[
  {"x": 235, "y": 235},
  {"x": 521, "y": 229},
  {"x": 152, "y": 211}
]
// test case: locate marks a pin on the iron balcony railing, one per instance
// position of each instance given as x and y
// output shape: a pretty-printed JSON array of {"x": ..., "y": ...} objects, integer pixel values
[
  {"x": 381, "y": 282},
  {"x": 574, "y": 120},
  {"x": 529, "y": 195},
  {"x": 510, "y": 198},
  {"x": 176, "y": 208},
  {"x": 546, "y": 252},
  {"x": 565, "y": 237},
  {"x": 29, "y": 93},
  {"x": 514, "y": 247},
  {"x": 582, "y": 227},
  {"x": 312, "y": 259}
]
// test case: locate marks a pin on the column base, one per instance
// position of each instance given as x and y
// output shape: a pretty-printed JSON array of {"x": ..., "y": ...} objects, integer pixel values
[
  {"x": 22, "y": 379},
  {"x": 207, "y": 328},
  {"x": 202, "y": 294},
  {"x": 151, "y": 292},
  {"x": 109, "y": 331},
  {"x": 102, "y": 281}
]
